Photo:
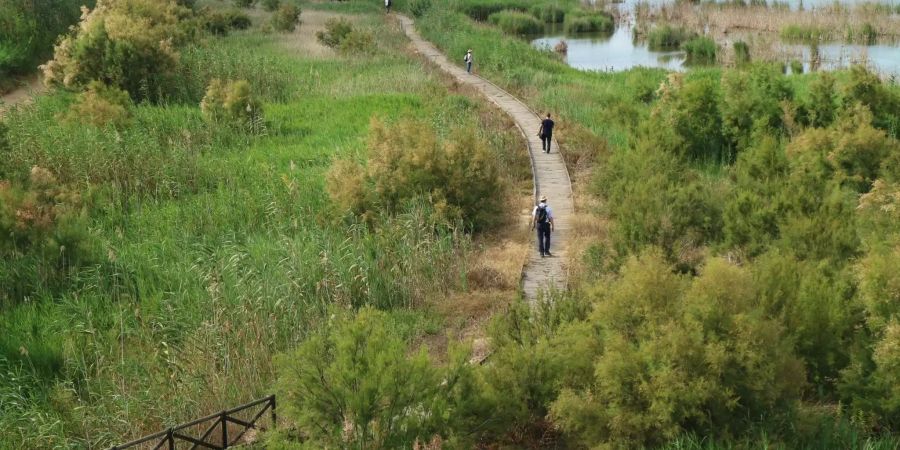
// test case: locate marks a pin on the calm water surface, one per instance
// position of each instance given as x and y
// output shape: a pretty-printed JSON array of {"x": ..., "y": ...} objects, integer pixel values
[{"x": 619, "y": 51}]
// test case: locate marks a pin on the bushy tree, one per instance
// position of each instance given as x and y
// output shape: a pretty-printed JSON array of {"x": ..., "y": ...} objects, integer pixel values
[
  {"x": 286, "y": 17},
  {"x": 753, "y": 100},
  {"x": 42, "y": 234},
  {"x": 352, "y": 385},
  {"x": 751, "y": 214},
  {"x": 822, "y": 104},
  {"x": 128, "y": 44},
  {"x": 680, "y": 355},
  {"x": 866, "y": 88},
  {"x": 101, "y": 105},
  {"x": 232, "y": 103},
  {"x": 655, "y": 199},
  {"x": 407, "y": 160},
  {"x": 690, "y": 108}
]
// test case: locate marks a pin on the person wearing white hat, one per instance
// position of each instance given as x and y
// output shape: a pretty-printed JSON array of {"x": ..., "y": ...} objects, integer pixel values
[
  {"x": 542, "y": 219},
  {"x": 468, "y": 60}
]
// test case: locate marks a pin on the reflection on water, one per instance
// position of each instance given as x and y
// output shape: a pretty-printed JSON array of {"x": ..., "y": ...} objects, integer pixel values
[
  {"x": 611, "y": 52},
  {"x": 619, "y": 51}
]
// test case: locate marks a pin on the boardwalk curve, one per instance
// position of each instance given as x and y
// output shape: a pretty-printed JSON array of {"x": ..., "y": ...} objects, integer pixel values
[{"x": 551, "y": 178}]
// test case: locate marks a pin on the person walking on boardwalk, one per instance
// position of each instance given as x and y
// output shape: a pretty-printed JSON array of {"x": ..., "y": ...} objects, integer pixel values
[
  {"x": 542, "y": 219},
  {"x": 468, "y": 60},
  {"x": 546, "y": 133}
]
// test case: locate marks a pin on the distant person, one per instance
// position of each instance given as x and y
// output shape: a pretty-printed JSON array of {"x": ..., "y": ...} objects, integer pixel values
[
  {"x": 387, "y": 6},
  {"x": 468, "y": 60},
  {"x": 546, "y": 133},
  {"x": 542, "y": 219}
]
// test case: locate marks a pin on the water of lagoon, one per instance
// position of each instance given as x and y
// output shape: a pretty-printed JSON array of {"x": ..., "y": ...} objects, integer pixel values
[{"x": 620, "y": 51}]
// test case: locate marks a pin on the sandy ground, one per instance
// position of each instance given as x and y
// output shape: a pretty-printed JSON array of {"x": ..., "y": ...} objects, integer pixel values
[{"x": 22, "y": 95}]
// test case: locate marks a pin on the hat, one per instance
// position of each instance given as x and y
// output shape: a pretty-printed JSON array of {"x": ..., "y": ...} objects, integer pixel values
[
  {"x": 470, "y": 51},
  {"x": 543, "y": 198}
]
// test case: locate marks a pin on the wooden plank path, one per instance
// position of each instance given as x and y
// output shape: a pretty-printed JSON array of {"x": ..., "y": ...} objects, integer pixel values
[{"x": 551, "y": 178}]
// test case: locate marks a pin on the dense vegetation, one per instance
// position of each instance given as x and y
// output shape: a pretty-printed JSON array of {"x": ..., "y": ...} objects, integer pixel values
[
  {"x": 28, "y": 31},
  {"x": 743, "y": 296},
  {"x": 160, "y": 245},
  {"x": 167, "y": 230}
]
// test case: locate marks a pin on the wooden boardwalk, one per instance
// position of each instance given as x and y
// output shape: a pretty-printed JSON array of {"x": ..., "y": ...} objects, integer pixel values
[{"x": 551, "y": 178}]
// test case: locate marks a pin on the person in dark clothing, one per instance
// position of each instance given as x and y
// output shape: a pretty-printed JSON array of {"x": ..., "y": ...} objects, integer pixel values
[
  {"x": 387, "y": 6},
  {"x": 542, "y": 219},
  {"x": 468, "y": 60},
  {"x": 546, "y": 133}
]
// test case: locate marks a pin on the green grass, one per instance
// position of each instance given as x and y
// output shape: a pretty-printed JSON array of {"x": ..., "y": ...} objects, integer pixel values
[
  {"x": 516, "y": 22},
  {"x": 581, "y": 22},
  {"x": 218, "y": 249},
  {"x": 667, "y": 37}
]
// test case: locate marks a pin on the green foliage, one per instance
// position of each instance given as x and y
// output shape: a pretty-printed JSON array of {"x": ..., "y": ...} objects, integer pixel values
[
  {"x": 741, "y": 53},
  {"x": 418, "y": 8},
  {"x": 352, "y": 385},
  {"x": 232, "y": 103},
  {"x": 796, "y": 67},
  {"x": 752, "y": 101},
  {"x": 866, "y": 88},
  {"x": 680, "y": 355},
  {"x": 803, "y": 33},
  {"x": 286, "y": 18},
  {"x": 244, "y": 3},
  {"x": 101, "y": 105},
  {"x": 548, "y": 13},
  {"x": 336, "y": 30},
  {"x": 128, "y": 44},
  {"x": 666, "y": 37},
  {"x": 516, "y": 22},
  {"x": 821, "y": 106},
  {"x": 408, "y": 160},
  {"x": 700, "y": 50},
  {"x": 668, "y": 207},
  {"x": 44, "y": 238},
  {"x": 690, "y": 109},
  {"x": 221, "y": 22},
  {"x": 271, "y": 5},
  {"x": 580, "y": 22},
  {"x": 28, "y": 31},
  {"x": 482, "y": 9}
]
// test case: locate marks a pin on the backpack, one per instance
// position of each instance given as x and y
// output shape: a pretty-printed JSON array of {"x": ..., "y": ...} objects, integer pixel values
[{"x": 541, "y": 214}]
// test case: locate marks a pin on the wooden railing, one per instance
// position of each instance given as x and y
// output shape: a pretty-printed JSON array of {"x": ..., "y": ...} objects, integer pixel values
[{"x": 225, "y": 429}]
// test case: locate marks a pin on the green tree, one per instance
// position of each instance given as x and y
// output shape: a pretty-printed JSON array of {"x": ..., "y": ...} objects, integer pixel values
[
  {"x": 753, "y": 100},
  {"x": 352, "y": 385}
]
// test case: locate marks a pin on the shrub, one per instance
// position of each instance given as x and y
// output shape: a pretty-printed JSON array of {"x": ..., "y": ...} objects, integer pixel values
[
  {"x": 407, "y": 160},
  {"x": 667, "y": 37},
  {"x": 244, "y": 3},
  {"x": 796, "y": 67},
  {"x": 690, "y": 109},
  {"x": 271, "y": 5},
  {"x": 358, "y": 41},
  {"x": 578, "y": 22},
  {"x": 821, "y": 106},
  {"x": 548, "y": 13},
  {"x": 700, "y": 50},
  {"x": 678, "y": 356},
  {"x": 741, "y": 53},
  {"x": 866, "y": 88},
  {"x": 232, "y": 103},
  {"x": 43, "y": 227},
  {"x": 286, "y": 18},
  {"x": 221, "y": 22},
  {"x": 352, "y": 385},
  {"x": 752, "y": 101},
  {"x": 515, "y": 22},
  {"x": 101, "y": 105},
  {"x": 128, "y": 44},
  {"x": 335, "y": 32},
  {"x": 803, "y": 34}
]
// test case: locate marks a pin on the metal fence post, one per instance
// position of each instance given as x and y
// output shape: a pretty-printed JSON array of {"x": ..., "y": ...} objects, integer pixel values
[
  {"x": 224, "y": 429},
  {"x": 274, "y": 415}
]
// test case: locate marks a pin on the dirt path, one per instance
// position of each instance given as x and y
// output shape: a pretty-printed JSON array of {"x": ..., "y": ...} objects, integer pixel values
[
  {"x": 549, "y": 170},
  {"x": 32, "y": 85}
]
